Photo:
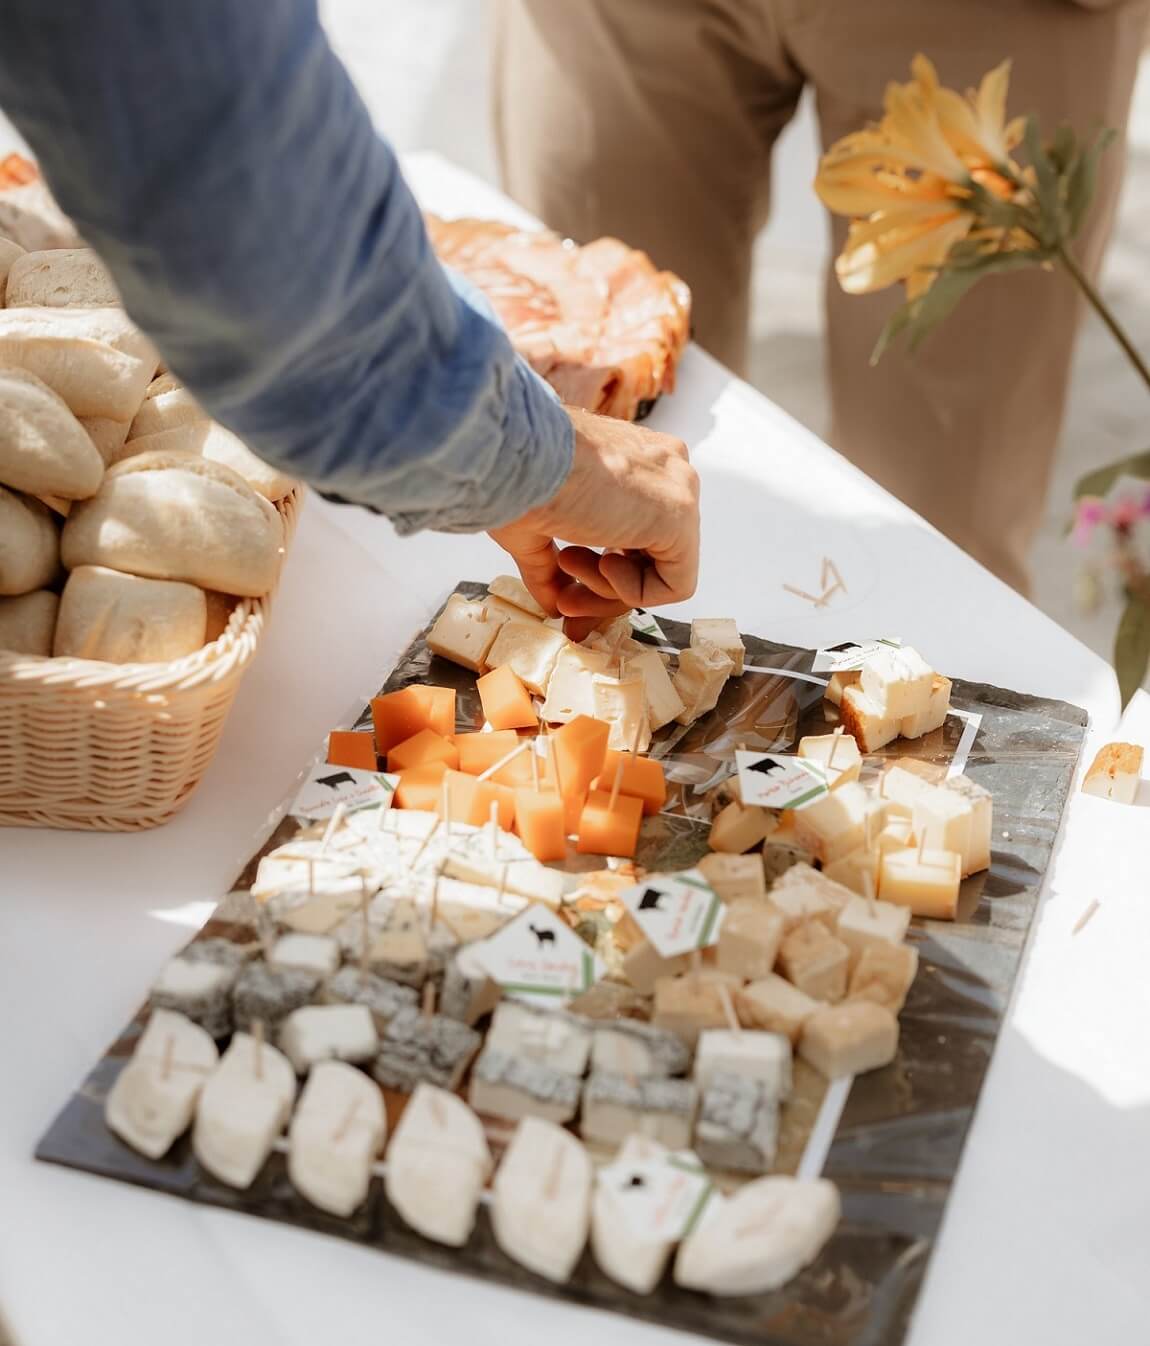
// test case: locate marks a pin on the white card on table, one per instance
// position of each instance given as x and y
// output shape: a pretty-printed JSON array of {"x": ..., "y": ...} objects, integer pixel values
[{"x": 850, "y": 654}]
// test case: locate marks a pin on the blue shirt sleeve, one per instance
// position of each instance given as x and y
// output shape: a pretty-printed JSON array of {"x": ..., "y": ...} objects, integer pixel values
[{"x": 217, "y": 156}]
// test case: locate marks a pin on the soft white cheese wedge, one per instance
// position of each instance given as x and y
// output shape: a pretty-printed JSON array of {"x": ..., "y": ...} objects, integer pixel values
[
  {"x": 621, "y": 1251},
  {"x": 765, "y": 1057},
  {"x": 759, "y": 1238},
  {"x": 559, "y": 1040},
  {"x": 699, "y": 680},
  {"x": 437, "y": 1165},
  {"x": 623, "y": 705},
  {"x": 464, "y": 632},
  {"x": 664, "y": 704},
  {"x": 328, "y": 1033},
  {"x": 934, "y": 713},
  {"x": 242, "y": 1110},
  {"x": 571, "y": 690},
  {"x": 530, "y": 650},
  {"x": 723, "y": 634},
  {"x": 898, "y": 681},
  {"x": 313, "y": 953},
  {"x": 541, "y": 1212},
  {"x": 514, "y": 591},
  {"x": 335, "y": 1136},
  {"x": 521, "y": 878},
  {"x": 153, "y": 1098}
]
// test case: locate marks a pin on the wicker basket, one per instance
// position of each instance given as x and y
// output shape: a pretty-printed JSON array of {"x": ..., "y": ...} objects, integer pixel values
[{"x": 116, "y": 747}]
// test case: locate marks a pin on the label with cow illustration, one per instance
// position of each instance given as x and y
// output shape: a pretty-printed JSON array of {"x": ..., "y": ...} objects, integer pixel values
[
  {"x": 773, "y": 780},
  {"x": 538, "y": 959},
  {"x": 329, "y": 786},
  {"x": 851, "y": 654},
  {"x": 662, "y": 1197},
  {"x": 677, "y": 912}
]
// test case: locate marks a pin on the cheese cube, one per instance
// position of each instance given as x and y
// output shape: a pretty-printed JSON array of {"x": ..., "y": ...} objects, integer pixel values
[
  {"x": 512, "y": 590},
  {"x": 469, "y": 799},
  {"x": 578, "y": 752},
  {"x": 336, "y": 1134},
  {"x": 352, "y": 747},
  {"x": 765, "y": 1057},
  {"x": 934, "y": 713},
  {"x": 837, "y": 753},
  {"x": 422, "y": 749},
  {"x": 855, "y": 870},
  {"x": 623, "y": 706},
  {"x": 902, "y": 788},
  {"x": 864, "y": 923},
  {"x": 399, "y": 715},
  {"x": 632, "y": 1047},
  {"x": 199, "y": 991},
  {"x": 699, "y": 680},
  {"x": 328, "y": 1033},
  {"x": 850, "y": 1038},
  {"x": 242, "y": 1110},
  {"x": 479, "y": 752},
  {"x": 604, "y": 830},
  {"x": 643, "y": 966},
  {"x": 737, "y": 828},
  {"x": 934, "y": 773},
  {"x": 941, "y": 819},
  {"x": 1115, "y": 773},
  {"x": 420, "y": 788},
  {"x": 500, "y": 610},
  {"x": 838, "y": 684},
  {"x": 534, "y": 1034},
  {"x": 399, "y": 952},
  {"x": 513, "y": 1087},
  {"x": 749, "y": 939},
  {"x": 895, "y": 836},
  {"x": 613, "y": 634},
  {"x": 383, "y": 998},
  {"x": 837, "y": 823},
  {"x": 688, "y": 1004},
  {"x": 870, "y": 728},
  {"x": 780, "y": 854},
  {"x": 928, "y": 886},
  {"x": 884, "y": 974},
  {"x": 723, "y": 634},
  {"x": 464, "y": 632},
  {"x": 738, "y": 1126},
  {"x": 734, "y": 876},
  {"x": 505, "y": 699},
  {"x": 898, "y": 682},
  {"x": 468, "y": 993},
  {"x": 269, "y": 994},
  {"x": 313, "y": 953},
  {"x": 420, "y": 1048},
  {"x": 812, "y": 959},
  {"x": 530, "y": 651},
  {"x": 774, "y": 1005},
  {"x": 540, "y": 821},
  {"x": 803, "y": 894},
  {"x": 615, "y": 1107},
  {"x": 664, "y": 704},
  {"x": 976, "y": 854},
  {"x": 643, "y": 778},
  {"x": 571, "y": 690}
]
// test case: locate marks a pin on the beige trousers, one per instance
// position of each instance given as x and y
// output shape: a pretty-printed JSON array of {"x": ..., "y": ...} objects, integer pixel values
[{"x": 654, "y": 120}]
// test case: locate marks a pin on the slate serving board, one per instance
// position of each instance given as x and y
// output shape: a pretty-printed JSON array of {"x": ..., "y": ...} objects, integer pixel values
[{"x": 898, "y": 1141}]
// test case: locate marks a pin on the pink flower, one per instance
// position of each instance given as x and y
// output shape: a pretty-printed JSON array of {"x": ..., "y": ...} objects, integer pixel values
[{"x": 1090, "y": 513}]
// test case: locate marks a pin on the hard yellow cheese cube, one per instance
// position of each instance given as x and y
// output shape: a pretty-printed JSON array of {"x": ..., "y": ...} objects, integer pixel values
[
  {"x": 933, "y": 714},
  {"x": 737, "y": 828},
  {"x": 927, "y": 884},
  {"x": 863, "y": 923},
  {"x": 884, "y": 974},
  {"x": 838, "y": 754},
  {"x": 837, "y": 823},
  {"x": 849, "y": 1038},
  {"x": 976, "y": 856},
  {"x": 898, "y": 681},
  {"x": 812, "y": 959},
  {"x": 749, "y": 939},
  {"x": 734, "y": 876},
  {"x": 870, "y": 726}
]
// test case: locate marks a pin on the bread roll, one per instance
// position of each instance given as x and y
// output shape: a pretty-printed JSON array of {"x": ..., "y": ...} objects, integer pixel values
[
  {"x": 29, "y": 544},
  {"x": 27, "y": 622},
  {"x": 176, "y": 516},
  {"x": 61, "y": 278},
  {"x": 30, "y": 216},
  {"x": 44, "y": 450},
  {"x": 9, "y": 252},
  {"x": 167, "y": 404},
  {"x": 217, "y": 445},
  {"x": 123, "y": 619},
  {"x": 109, "y": 325},
  {"x": 92, "y": 376},
  {"x": 108, "y": 436}
]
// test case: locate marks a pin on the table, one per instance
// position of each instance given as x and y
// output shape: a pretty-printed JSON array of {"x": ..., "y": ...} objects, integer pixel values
[{"x": 1044, "y": 1237}]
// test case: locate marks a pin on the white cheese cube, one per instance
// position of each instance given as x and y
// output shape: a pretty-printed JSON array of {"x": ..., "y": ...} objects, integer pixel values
[
  {"x": 927, "y": 883},
  {"x": 558, "y": 1039},
  {"x": 335, "y": 1136},
  {"x": 734, "y": 876},
  {"x": 933, "y": 714},
  {"x": 765, "y": 1057},
  {"x": 865, "y": 722},
  {"x": 895, "y": 836},
  {"x": 571, "y": 691},
  {"x": 838, "y": 684},
  {"x": 749, "y": 939},
  {"x": 512, "y": 589},
  {"x": 723, "y": 634},
  {"x": 941, "y": 819},
  {"x": 803, "y": 894},
  {"x": 902, "y": 788},
  {"x": 464, "y": 632},
  {"x": 856, "y": 870},
  {"x": 500, "y": 610},
  {"x": 621, "y": 1249},
  {"x": 884, "y": 974},
  {"x": 154, "y": 1096},
  {"x": 437, "y": 1165},
  {"x": 898, "y": 682},
  {"x": 530, "y": 651},
  {"x": 643, "y": 966},
  {"x": 738, "y": 827},
  {"x": 242, "y": 1110},
  {"x": 774, "y": 1005},
  {"x": 541, "y": 1207},
  {"x": 613, "y": 635},
  {"x": 760, "y": 1238},
  {"x": 328, "y": 1033},
  {"x": 623, "y": 705},
  {"x": 664, "y": 704},
  {"x": 976, "y": 855},
  {"x": 699, "y": 680},
  {"x": 837, "y": 823},
  {"x": 850, "y": 1038},
  {"x": 312, "y": 953},
  {"x": 200, "y": 991},
  {"x": 838, "y": 754},
  {"x": 1115, "y": 773},
  {"x": 863, "y": 923},
  {"x": 815, "y": 961}
]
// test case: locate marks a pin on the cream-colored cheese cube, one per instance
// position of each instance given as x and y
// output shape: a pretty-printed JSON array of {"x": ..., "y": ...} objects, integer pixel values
[
  {"x": 514, "y": 591},
  {"x": 571, "y": 690},
  {"x": 850, "y": 1038},
  {"x": 941, "y": 820},
  {"x": 734, "y": 876},
  {"x": 313, "y": 953},
  {"x": 557, "y": 1039},
  {"x": 643, "y": 966},
  {"x": 869, "y": 726},
  {"x": 632, "y": 1257},
  {"x": 503, "y": 611},
  {"x": 765, "y": 1057},
  {"x": 928, "y": 885},
  {"x": 1115, "y": 773},
  {"x": 976, "y": 856},
  {"x": 884, "y": 974},
  {"x": 664, "y": 704},
  {"x": 328, "y": 1033},
  {"x": 688, "y": 1004},
  {"x": 838, "y": 754},
  {"x": 699, "y": 680},
  {"x": 803, "y": 894},
  {"x": 815, "y": 961},
  {"x": 736, "y": 828},
  {"x": 773, "y": 1004},
  {"x": 838, "y": 684},
  {"x": 854, "y": 870},
  {"x": 864, "y": 923},
  {"x": 837, "y": 823},
  {"x": 723, "y": 634},
  {"x": 749, "y": 939},
  {"x": 933, "y": 714},
  {"x": 529, "y": 650},
  {"x": 895, "y": 836},
  {"x": 464, "y": 632},
  {"x": 902, "y": 788},
  {"x": 623, "y": 705},
  {"x": 898, "y": 681}
]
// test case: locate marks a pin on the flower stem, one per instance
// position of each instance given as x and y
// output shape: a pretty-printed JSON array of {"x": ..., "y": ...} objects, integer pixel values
[{"x": 1098, "y": 304}]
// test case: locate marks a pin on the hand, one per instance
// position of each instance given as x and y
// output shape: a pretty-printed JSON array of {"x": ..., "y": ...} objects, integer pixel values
[{"x": 630, "y": 490}]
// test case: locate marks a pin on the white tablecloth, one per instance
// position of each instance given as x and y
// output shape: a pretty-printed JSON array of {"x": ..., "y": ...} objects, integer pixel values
[{"x": 1045, "y": 1237}]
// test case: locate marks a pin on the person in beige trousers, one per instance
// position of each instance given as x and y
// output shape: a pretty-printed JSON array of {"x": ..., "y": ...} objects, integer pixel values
[{"x": 654, "y": 120}]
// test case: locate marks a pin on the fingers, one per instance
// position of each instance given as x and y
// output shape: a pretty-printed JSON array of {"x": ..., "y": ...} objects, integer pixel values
[
  {"x": 654, "y": 580},
  {"x": 582, "y": 564},
  {"x": 537, "y": 558},
  {"x": 577, "y": 601}
]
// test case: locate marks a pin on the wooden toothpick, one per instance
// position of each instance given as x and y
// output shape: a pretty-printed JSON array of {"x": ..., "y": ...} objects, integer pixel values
[
  {"x": 428, "y": 999},
  {"x": 166, "y": 1062},
  {"x": 1086, "y": 915},
  {"x": 554, "y": 767},
  {"x": 921, "y": 845},
  {"x": 502, "y": 884},
  {"x": 868, "y": 885},
  {"x": 258, "y": 1050},
  {"x": 310, "y": 877},
  {"x": 636, "y": 736},
  {"x": 503, "y": 761},
  {"x": 333, "y": 826},
  {"x": 341, "y": 1130},
  {"x": 838, "y": 738},
  {"x": 365, "y": 946},
  {"x": 617, "y": 785},
  {"x": 551, "y": 1191},
  {"x": 435, "y": 900},
  {"x": 493, "y": 829},
  {"x": 728, "y": 1008},
  {"x": 801, "y": 593},
  {"x": 534, "y": 768}
]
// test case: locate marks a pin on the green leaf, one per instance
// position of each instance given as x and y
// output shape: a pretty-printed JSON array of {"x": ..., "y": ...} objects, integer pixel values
[
  {"x": 1132, "y": 647},
  {"x": 1081, "y": 182},
  {"x": 1099, "y": 482},
  {"x": 1046, "y": 182},
  {"x": 1063, "y": 149}
]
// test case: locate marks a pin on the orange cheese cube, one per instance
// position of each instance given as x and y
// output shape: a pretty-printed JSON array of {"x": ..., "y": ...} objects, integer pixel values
[
  {"x": 506, "y": 702},
  {"x": 352, "y": 747},
  {"x": 421, "y": 750},
  {"x": 400, "y": 715},
  {"x": 540, "y": 822},
  {"x": 642, "y": 778},
  {"x": 478, "y": 752},
  {"x": 420, "y": 787},
  {"x": 505, "y": 798},
  {"x": 469, "y": 800},
  {"x": 578, "y": 751},
  {"x": 604, "y": 830}
]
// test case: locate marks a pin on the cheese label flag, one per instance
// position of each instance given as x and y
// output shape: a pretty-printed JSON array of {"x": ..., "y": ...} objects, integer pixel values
[
  {"x": 646, "y": 625},
  {"x": 329, "y": 786},
  {"x": 661, "y": 1198},
  {"x": 677, "y": 912},
  {"x": 537, "y": 958},
  {"x": 775, "y": 781},
  {"x": 850, "y": 654}
]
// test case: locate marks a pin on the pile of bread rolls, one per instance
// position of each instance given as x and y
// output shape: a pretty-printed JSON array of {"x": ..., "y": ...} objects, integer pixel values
[{"x": 129, "y": 521}]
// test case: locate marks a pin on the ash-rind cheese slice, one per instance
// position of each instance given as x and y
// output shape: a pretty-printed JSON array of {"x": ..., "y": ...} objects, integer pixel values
[
  {"x": 242, "y": 1110},
  {"x": 336, "y": 1134},
  {"x": 738, "y": 1126},
  {"x": 615, "y": 1106},
  {"x": 513, "y": 1087}
]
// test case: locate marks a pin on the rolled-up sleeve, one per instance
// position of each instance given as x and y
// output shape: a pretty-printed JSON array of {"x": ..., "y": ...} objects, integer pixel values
[{"x": 218, "y": 157}]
